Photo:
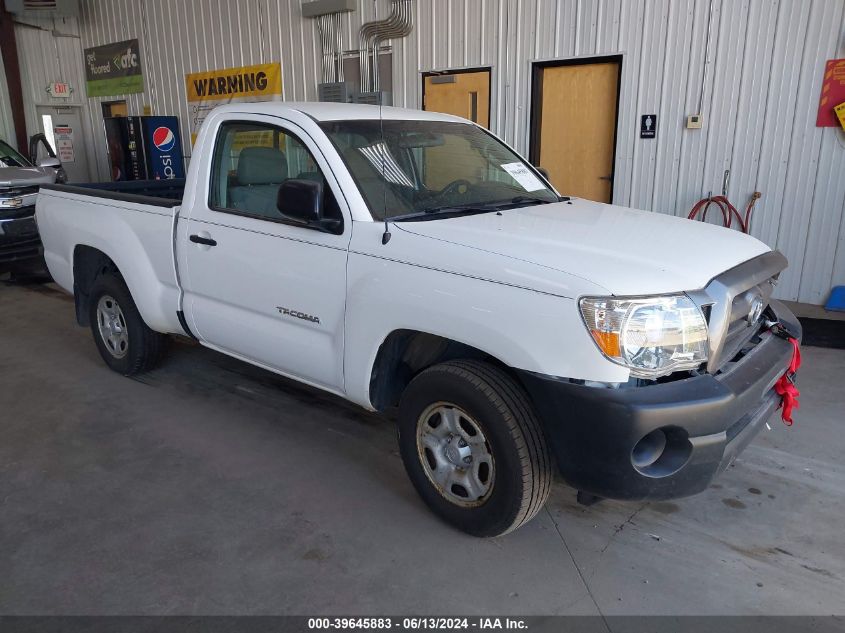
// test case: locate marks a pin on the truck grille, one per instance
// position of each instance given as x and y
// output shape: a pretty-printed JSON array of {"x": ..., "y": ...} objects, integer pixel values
[
  {"x": 735, "y": 304},
  {"x": 15, "y": 192}
]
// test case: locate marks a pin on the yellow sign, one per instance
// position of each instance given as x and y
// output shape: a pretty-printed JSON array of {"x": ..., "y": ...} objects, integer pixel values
[
  {"x": 247, "y": 83},
  {"x": 840, "y": 114},
  {"x": 263, "y": 138},
  {"x": 263, "y": 80}
]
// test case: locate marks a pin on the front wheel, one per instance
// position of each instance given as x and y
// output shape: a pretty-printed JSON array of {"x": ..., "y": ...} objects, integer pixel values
[
  {"x": 123, "y": 339},
  {"x": 473, "y": 447}
]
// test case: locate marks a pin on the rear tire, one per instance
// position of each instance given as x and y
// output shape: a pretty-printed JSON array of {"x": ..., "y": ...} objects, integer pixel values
[
  {"x": 124, "y": 341},
  {"x": 474, "y": 448}
]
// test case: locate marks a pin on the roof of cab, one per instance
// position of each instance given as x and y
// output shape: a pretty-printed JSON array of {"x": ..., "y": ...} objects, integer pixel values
[{"x": 322, "y": 111}]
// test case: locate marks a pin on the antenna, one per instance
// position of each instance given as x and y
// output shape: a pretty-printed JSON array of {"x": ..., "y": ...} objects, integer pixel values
[{"x": 385, "y": 238}]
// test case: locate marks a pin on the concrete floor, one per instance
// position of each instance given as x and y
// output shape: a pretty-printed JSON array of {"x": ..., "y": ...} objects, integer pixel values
[{"x": 211, "y": 487}]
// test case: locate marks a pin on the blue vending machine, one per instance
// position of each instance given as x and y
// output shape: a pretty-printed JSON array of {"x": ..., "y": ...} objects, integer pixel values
[{"x": 163, "y": 146}]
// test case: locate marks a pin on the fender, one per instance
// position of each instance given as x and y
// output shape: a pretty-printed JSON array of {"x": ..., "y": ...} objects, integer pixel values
[{"x": 509, "y": 322}]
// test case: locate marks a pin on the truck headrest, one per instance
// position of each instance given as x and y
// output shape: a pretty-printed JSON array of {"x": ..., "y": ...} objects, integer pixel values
[{"x": 262, "y": 166}]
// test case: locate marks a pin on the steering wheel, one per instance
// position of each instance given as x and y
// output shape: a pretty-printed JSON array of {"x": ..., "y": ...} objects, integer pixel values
[{"x": 454, "y": 187}]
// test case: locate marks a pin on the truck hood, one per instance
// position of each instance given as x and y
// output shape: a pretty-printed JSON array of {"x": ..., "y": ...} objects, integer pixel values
[
  {"x": 626, "y": 251},
  {"x": 26, "y": 176}
]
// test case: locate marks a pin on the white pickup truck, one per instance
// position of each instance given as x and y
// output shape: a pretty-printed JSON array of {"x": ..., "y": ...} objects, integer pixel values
[{"x": 408, "y": 259}]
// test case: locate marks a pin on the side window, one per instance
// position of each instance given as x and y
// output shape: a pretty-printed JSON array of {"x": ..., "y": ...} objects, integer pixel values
[{"x": 251, "y": 161}]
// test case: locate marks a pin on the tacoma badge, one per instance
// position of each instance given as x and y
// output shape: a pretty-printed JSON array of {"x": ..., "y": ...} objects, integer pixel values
[{"x": 297, "y": 314}]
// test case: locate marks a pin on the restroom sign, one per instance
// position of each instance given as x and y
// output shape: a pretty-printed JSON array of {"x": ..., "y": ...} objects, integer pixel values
[{"x": 648, "y": 126}]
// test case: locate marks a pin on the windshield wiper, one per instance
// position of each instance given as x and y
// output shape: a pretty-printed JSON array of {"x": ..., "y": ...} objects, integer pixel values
[
  {"x": 447, "y": 210},
  {"x": 484, "y": 207},
  {"x": 521, "y": 199}
]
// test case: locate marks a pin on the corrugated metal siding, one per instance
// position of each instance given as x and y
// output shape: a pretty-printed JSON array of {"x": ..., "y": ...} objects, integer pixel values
[
  {"x": 763, "y": 77},
  {"x": 7, "y": 127}
]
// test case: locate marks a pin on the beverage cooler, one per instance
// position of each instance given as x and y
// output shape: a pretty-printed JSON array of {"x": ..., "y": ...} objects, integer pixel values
[{"x": 144, "y": 148}]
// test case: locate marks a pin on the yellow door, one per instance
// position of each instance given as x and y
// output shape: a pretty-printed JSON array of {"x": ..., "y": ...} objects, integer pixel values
[
  {"x": 464, "y": 94},
  {"x": 578, "y": 126},
  {"x": 115, "y": 108}
]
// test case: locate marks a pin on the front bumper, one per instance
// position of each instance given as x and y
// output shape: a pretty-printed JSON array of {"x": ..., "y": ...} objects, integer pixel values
[
  {"x": 19, "y": 241},
  {"x": 704, "y": 422}
]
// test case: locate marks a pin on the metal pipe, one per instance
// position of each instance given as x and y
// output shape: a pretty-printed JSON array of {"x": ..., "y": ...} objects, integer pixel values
[
  {"x": 398, "y": 24},
  {"x": 331, "y": 47}
]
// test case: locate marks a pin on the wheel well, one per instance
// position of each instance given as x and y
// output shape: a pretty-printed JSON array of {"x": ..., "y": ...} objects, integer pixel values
[
  {"x": 88, "y": 264},
  {"x": 405, "y": 353}
]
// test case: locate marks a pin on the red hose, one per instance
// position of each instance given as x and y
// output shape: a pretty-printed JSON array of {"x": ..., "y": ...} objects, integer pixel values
[{"x": 729, "y": 211}]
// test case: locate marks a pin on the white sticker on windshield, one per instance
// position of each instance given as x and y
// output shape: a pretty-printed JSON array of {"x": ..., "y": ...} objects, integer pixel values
[{"x": 524, "y": 176}]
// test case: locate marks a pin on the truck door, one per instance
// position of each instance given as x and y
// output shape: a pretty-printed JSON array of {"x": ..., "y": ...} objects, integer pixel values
[{"x": 258, "y": 285}]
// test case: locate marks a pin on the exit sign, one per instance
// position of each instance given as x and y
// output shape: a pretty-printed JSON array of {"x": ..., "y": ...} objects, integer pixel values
[{"x": 59, "y": 90}]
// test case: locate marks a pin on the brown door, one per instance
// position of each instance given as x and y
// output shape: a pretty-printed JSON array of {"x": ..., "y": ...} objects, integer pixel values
[
  {"x": 464, "y": 93},
  {"x": 575, "y": 126},
  {"x": 114, "y": 108}
]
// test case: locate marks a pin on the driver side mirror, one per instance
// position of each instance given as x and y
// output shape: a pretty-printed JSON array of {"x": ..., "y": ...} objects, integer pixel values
[
  {"x": 55, "y": 163},
  {"x": 302, "y": 201}
]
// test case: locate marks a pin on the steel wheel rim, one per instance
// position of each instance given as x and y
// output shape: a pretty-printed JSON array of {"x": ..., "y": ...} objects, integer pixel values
[
  {"x": 455, "y": 455},
  {"x": 112, "y": 326}
]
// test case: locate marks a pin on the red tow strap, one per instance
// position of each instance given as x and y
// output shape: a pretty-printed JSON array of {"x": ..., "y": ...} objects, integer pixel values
[{"x": 785, "y": 386}]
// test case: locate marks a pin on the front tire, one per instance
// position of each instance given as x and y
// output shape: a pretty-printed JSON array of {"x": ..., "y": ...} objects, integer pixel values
[
  {"x": 474, "y": 448},
  {"x": 124, "y": 341}
]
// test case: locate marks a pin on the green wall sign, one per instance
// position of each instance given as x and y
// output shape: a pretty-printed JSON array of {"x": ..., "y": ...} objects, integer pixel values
[{"x": 113, "y": 69}]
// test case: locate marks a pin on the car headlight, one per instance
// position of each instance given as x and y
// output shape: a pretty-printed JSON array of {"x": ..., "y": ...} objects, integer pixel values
[{"x": 652, "y": 336}]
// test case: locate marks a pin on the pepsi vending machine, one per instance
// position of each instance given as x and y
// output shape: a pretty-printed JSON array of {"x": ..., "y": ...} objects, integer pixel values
[
  {"x": 163, "y": 147},
  {"x": 144, "y": 148}
]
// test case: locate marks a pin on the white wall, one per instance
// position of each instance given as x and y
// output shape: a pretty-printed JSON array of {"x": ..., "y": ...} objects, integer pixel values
[
  {"x": 45, "y": 58},
  {"x": 763, "y": 78}
]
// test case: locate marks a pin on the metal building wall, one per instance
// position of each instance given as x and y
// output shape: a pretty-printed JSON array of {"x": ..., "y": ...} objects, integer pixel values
[
  {"x": 46, "y": 57},
  {"x": 764, "y": 65},
  {"x": 7, "y": 127}
]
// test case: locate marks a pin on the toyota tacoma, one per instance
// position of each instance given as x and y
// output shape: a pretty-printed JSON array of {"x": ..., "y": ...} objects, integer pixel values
[{"x": 412, "y": 262}]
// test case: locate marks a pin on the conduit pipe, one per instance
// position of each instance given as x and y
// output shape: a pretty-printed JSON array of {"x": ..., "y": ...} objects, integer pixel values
[{"x": 398, "y": 24}]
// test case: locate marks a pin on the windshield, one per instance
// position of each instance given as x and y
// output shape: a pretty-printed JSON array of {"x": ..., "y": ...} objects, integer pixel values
[
  {"x": 10, "y": 158},
  {"x": 417, "y": 169}
]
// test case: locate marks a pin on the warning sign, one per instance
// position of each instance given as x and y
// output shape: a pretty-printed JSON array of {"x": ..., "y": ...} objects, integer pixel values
[
  {"x": 206, "y": 90},
  {"x": 64, "y": 143},
  {"x": 833, "y": 93},
  {"x": 840, "y": 113}
]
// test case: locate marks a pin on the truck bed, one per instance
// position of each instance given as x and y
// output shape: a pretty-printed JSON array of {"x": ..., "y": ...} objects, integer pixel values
[{"x": 130, "y": 223}]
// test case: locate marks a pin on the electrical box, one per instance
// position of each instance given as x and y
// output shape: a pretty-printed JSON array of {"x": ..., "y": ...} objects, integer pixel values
[
  {"x": 317, "y": 8},
  {"x": 694, "y": 122},
  {"x": 335, "y": 92},
  {"x": 373, "y": 98}
]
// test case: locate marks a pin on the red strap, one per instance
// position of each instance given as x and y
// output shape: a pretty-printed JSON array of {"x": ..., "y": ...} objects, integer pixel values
[{"x": 785, "y": 387}]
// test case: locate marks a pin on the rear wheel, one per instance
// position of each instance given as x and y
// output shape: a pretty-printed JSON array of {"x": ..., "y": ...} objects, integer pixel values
[
  {"x": 123, "y": 339},
  {"x": 474, "y": 448}
]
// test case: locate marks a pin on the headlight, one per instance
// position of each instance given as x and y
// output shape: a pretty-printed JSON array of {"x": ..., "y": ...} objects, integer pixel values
[{"x": 653, "y": 336}]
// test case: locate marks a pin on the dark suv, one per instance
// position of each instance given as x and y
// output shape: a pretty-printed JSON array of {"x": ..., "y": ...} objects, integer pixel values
[{"x": 20, "y": 246}]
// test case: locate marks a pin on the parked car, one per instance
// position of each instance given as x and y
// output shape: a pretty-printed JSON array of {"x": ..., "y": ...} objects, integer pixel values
[
  {"x": 20, "y": 248},
  {"x": 409, "y": 259}
]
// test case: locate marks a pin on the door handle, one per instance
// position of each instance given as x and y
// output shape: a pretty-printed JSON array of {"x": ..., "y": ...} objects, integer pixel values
[
  {"x": 606, "y": 177},
  {"x": 198, "y": 239}
]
